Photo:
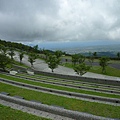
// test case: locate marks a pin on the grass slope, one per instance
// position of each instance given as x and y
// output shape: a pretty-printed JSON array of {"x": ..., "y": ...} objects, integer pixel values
[
  {"x": 68, "y": 103},
  {"x": 60, "y": 87},
  {"x": 97, "y": 69}
]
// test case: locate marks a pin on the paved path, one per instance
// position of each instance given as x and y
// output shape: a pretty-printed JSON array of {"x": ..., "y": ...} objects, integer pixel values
[{"x": 40, "y": 65}]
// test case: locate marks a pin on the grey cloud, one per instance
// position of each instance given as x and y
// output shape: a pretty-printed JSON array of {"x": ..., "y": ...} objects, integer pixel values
[{"x": 59, "y": 20}]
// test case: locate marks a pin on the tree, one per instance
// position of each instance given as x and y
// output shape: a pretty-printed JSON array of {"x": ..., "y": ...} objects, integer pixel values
[
  {"x": 4, "y": 61},
  {"x": 21, "y": 55},
  {"x": 3, "y": 49},
  {"x": 53, "y": 62},
  {"x": 31, "y": 58},
  {"x": 58, "y": 53},
  {"x": 118, "y": 55},
  {"x": 11, "y": 53},
  {"x": 47, "y": 53},
  {"x": 81, "y": 59},
  {"x": 81, "y": 69},
  {"x": 36, "y": 47},
  {"x": 104, "y": 63},
  {"x": 91, "y": 58},
  {"x": 75, "y": 58},
  {"x": 95, "y": 54}
]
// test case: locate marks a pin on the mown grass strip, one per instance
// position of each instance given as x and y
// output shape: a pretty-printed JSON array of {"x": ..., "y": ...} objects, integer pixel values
[
  {"x": 68, "y": 103},
  {"x": 71, "y": 82},
  {"x": 59, "y": 87},
  {"x": 7, "y": 113}
]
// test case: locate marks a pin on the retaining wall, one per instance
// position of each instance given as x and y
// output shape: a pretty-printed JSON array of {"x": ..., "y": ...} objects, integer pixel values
[{"x": 85, "y": 79}]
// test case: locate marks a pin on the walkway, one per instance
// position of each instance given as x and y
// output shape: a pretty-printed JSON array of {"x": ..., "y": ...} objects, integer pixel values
[{"x": 40, "y": 65}]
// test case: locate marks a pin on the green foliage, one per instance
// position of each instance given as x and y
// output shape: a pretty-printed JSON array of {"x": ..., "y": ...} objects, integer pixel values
[
  {"x": 104, "y": 63},
  {"x": 31, "y": 58},
  {"x": 4, "y": 61},
  {"x": 95, "y": 54},
  {"x": 58, "y": 53},
  {"x": 3, "y": 49},
  {"x": 11, "y": 53},
  {"x": 75, "y": 58},
  {"x": 53, "y": 62},
  {"x": 81, "y": 58},
  {"x": 47, "y": 53},
  {"x": 21, "y": 55},
  {"x": 91, "y": 57},
  {"x": 118, "y": 55},
  {"x": 81, "y": 69}
]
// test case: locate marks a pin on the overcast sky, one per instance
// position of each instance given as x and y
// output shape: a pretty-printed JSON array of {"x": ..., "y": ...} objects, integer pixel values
[{"x": 38, "y": 21}]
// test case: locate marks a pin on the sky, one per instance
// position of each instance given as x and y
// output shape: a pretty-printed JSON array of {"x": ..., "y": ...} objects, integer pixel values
[{"x": 55, "y": 23}]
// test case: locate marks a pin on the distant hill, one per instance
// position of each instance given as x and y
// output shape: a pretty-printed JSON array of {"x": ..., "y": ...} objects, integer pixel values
[
  {"x": 102, "y": 50},
  {"x": 20, "y": 46}
]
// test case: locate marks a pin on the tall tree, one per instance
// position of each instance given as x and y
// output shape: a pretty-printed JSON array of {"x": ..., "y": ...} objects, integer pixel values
[
  {"x": 95, "y": 54},
  {"x": 47, "y": 53},
  {"x": 58, "y": 53},
  {"x": 81, "y": 69},
  {"x": 21, "y": 55},
  {"x": 104, "y": 63},
  {"x": 91, "y": 58},
  {"x": 3, "y": 49},
  {"x": 118, "y": 55},
  {"x": 75, "y": 58},
  {"x": 31, "y": 58},
  {"x": 4, "y": 61},
  {"x": 81, "y": 59},
  {"x": 11, "y": 53},
  {"x": 53, "y": 62}
]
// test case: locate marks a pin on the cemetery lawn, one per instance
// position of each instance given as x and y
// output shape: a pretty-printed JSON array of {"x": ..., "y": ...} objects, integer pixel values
[
  {"x": 7, "y": 113},
  {"x": 68, "y": 103},
  {"x": 59, "y": 87},
  {"x": 110, "y": 71}
]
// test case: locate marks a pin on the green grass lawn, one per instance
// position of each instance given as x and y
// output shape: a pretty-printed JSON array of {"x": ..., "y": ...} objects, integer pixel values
[
  {"x": 60, "y": 87},
  {"x": 7, "y": 113},
  {"x": 68, "y": 103},
  {"x": 109, "y": 71},
  {"x": 97, "y": 69}
]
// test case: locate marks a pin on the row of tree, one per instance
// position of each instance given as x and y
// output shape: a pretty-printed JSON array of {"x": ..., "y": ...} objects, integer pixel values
[
  {"x": 80, "y": 66},
  {"x": 53, "y": 59}
]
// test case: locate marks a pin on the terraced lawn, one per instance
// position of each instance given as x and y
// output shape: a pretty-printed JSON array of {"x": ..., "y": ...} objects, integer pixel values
[
  {"x": 70, "y": 82},
  {"x": 68, "y": 103},
  {"x": 59, "y": 87}
]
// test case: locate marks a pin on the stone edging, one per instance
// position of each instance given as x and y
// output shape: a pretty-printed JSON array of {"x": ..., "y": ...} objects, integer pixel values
[
  {"x": 60, "y": 92},
  {"x": 54, "y": 110},
  {"x": 85, "y": 79}
]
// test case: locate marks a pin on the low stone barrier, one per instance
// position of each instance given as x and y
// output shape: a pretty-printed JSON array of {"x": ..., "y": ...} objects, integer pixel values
[
  {"x": 53, "y": 109},
  {"x": 72, "y": 94},
  {"x": 85, "y": 79}
]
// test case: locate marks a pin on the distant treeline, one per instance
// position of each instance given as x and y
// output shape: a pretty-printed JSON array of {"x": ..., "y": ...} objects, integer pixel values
[{"x": 22, "y": 47}]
